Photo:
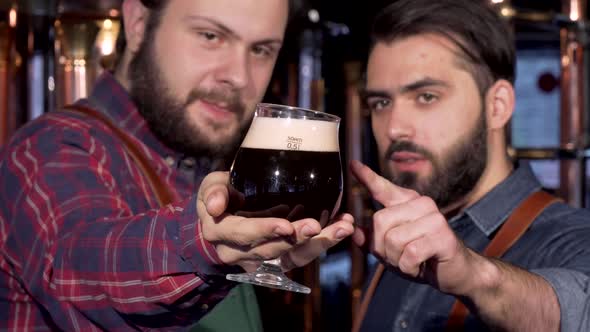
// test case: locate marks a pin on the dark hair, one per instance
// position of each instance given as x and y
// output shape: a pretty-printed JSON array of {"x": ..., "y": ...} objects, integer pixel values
[
  {"x": 484, "y": 38},
  {"x": 157, "y": 6}
]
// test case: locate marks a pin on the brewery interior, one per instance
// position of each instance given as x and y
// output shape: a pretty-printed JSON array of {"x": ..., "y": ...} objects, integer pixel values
[{"x": 51, "y": 52}]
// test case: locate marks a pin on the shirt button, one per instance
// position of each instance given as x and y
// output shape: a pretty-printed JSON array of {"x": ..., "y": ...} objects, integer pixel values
[
  {"x": 169, "y": 161},
  {"x": 403, "y": 324},
  {"x": 189, "y": 162},
  {"x": 205, "y": 306}
]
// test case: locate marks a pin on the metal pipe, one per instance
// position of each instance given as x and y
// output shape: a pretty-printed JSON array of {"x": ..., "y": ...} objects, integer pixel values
[
  {"x": 8, "y": 62},
  {"x": 4, "y": 81},
  {"x": 354, "y": 194},
  {"x": 573, "y": 101}
]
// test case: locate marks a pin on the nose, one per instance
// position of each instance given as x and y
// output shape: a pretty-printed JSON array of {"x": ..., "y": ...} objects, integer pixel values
[
  {"x": 234, "y": 70},
  {"x": 399, "y": 124}
]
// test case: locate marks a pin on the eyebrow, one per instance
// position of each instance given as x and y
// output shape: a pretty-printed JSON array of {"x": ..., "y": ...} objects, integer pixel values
[
  {"x": 417, "y": 85},
  {"x": 422, "y": 83},
  {"x": 231, "y": 33},
  {"x": 367, "y": 93}
]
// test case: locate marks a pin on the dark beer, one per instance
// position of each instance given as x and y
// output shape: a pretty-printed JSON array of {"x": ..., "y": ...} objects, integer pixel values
[
  {"x": 288, "y": 166},
  {"x": 307, "y": 182},
  {"x": 297, "y": 177}
]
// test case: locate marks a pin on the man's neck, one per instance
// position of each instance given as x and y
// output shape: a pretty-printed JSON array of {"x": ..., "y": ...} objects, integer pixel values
[{"x": 496, "y": 171}]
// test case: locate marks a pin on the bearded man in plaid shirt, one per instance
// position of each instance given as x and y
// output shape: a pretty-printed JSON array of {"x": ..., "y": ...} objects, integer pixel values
[{"x": 84, "y": 244}]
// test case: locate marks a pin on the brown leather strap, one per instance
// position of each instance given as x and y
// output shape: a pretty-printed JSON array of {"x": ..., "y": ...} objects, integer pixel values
[
  {"x": 509, "y": 233},
  {"x": 516, "y": 225},
  {"x": 160, "y": 189}
]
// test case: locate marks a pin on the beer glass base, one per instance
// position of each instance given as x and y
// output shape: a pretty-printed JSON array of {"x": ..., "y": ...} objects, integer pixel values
[{"x": 269, "y": 275}]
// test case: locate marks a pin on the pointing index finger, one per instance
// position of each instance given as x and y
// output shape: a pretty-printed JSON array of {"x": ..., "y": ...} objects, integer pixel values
[{"x": 381, "y": 189}]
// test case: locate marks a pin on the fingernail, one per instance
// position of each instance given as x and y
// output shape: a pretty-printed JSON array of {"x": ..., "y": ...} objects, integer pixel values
[
  {"x": 211, "y": 198},
  {"x": 308, "y": 231},
  {"x": 341, "y": 234},
  {"x": 281, "y": 231}
]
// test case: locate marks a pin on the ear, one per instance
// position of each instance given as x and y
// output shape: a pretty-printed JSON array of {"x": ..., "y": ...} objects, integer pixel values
[
  {"x": 499, "y": 104},
  {"x": 135, "y": 17}
]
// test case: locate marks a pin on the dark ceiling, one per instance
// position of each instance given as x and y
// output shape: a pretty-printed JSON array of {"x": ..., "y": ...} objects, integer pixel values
[
  {"x": 51, "y": 7},
  {"x": 345, "y": 10},
  {"x": 355, "y": 15}
]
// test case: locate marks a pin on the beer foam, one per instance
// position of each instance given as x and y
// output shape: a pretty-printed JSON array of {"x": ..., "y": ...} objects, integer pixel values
[{"x": 292, "y": 134}]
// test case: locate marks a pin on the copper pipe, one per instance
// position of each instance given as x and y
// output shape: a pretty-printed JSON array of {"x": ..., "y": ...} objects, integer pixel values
[
  {"x": 8, "y": 62},
  {"x": 4, "y": 64},
  {"x": 355, "y": 196},
  {"x": 292, "y": 85},
  {"x": 573, "y": 103},
  {"x": 313, "y": 302}
]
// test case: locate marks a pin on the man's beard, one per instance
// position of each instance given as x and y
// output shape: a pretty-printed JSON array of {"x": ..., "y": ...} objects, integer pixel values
[
  {"x": 454, "y": 175},
  {"x": 167, "y": 116}
]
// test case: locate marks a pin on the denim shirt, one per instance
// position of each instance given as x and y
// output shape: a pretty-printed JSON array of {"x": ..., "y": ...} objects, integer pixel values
[{"x": 556, "y": 247}]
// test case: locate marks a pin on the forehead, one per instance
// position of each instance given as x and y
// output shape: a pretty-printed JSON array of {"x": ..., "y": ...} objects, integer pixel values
[
  {"x": 247, "y": 18},
  {"x": 408, "y": 59}
]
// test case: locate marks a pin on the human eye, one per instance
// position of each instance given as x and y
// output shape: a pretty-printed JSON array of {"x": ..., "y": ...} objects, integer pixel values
[
  {"x": 426, "y": 98},
  {"x": 378, "y": 104},
  {"x": 210, "y": 38},
  {"x": 264, "y": 51}
]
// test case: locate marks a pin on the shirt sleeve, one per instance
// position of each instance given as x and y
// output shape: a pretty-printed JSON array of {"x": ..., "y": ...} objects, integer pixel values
[
  {"x": 561, "y": 247},
  {"x": 573, "y": 293},
  {"x": 83, "y": 252}
]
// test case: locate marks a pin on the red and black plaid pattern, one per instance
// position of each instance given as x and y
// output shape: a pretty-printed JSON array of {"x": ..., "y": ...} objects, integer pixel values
[{"x": 83, "y": 243}]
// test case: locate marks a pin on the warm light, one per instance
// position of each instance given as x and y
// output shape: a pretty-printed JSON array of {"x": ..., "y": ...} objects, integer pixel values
[
  {"x": 106, "y": 38},
  {"x": 497, "y": 1},
  {"x": 507, "y": 12},
  {"x": 80, "y": 87},
  {"x": 113, "y": 13},
  {"x": 574, "y": 10},
  {"x": 107, "y": 45},
  {"x": 565, "y": 61},
  {"x": 12, "y": 17}
]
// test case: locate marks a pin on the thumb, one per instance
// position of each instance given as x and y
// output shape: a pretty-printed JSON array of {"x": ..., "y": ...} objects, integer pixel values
[{"x": 216, "y": 201}]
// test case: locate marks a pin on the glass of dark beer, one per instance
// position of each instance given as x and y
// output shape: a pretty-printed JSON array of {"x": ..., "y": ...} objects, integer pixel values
[{"x": 288, "y": 166}]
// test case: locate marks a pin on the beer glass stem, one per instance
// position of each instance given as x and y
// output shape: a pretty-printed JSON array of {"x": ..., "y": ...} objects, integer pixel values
[{"x": 270, "y": 274}]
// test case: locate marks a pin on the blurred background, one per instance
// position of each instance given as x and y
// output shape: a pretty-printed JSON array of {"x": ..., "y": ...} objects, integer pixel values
[{"x": 51, "y": 52}]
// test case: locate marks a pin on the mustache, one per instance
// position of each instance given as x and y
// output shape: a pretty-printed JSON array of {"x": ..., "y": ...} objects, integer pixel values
[
  {"x": 407, "y": 146},
  {"x": 231, "y": 98}
]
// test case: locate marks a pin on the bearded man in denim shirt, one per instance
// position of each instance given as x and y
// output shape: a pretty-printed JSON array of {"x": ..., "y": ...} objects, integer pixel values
[{"x": 440, "y": 89}]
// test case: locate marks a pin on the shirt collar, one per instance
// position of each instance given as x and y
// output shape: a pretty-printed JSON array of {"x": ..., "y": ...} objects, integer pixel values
[
  {"x": 111, "y": 98},
  {"x": 490, "y": 212}
]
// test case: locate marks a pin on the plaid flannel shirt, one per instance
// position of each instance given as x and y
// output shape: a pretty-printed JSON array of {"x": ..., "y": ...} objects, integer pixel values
[{"x": 83, "y": 243}]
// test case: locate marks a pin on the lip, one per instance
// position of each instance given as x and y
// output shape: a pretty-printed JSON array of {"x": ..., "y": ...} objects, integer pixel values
[
  {"x": 403, "y": 156},
  {"x": 217, "y": 111},
  {"x": 408, "y": 161}
]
